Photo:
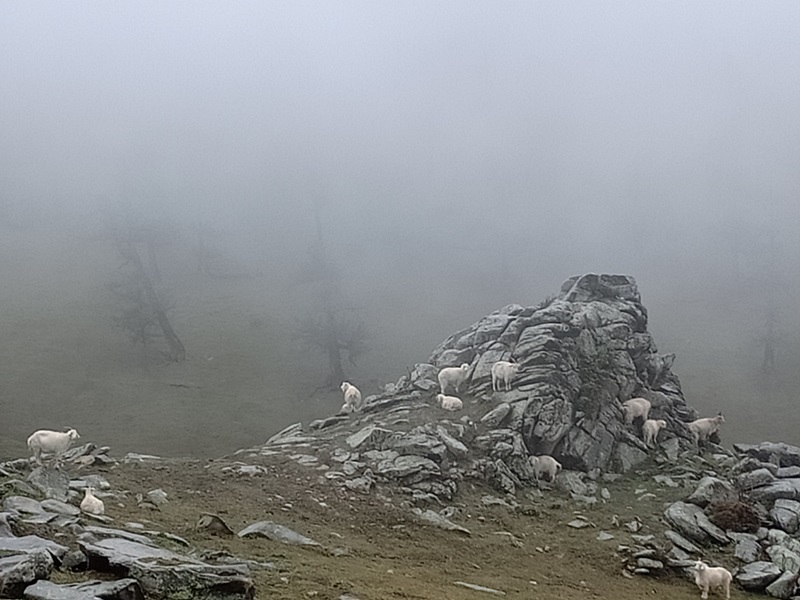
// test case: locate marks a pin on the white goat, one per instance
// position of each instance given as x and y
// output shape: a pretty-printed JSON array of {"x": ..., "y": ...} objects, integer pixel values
[
  {"x": 636, "y": 407},
  {"x": 453, "y": 377},
  {"x": 56, "y": 442},
  {"x": 352, "y": 397},
  {"x": 503, "y": 371},
  {"x": 449, "y": 402},
  {"x": 545, "y": 464},
  {"x": 703, "y": 429},
  {"x": 91, "y": 504},
  {"x": 714, "y": 578},
  {"x": 651, "y": 428}
]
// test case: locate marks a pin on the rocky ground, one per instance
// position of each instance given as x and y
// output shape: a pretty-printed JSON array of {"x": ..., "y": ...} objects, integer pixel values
[
  {"x": 404, "y": 500},
  {"x": 373, "y": 545}
]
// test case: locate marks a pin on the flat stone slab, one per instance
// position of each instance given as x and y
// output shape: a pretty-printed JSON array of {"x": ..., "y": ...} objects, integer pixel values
[
  {"x": 758, "y": 575},
  {"x": 123, "y": 589},
  {"x": 166, "y": 575},
  {"x": 31, "y": 543},
  {"x": 277, "y": 533},
  {"x": 19, "y": 570}
]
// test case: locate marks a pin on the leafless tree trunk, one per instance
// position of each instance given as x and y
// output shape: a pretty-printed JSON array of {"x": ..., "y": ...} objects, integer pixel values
[{"x": 129, "y": 252}]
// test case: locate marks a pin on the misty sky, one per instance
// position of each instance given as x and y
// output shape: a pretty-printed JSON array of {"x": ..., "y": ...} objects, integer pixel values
[{"x": 604, "y": 129}]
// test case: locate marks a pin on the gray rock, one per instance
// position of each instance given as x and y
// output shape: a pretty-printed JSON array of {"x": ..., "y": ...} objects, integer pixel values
[
  {"x": 649, "y": 563},
  {"x": 362, "y": 485},
  {"x": 62, "y": 508},
  {"x": 500, "y": 477},
  {"x": 784, "y": 557},
  {"x": 479, "y": 588},
  {"x": 787, "y": 472},
  {"x": 213, "y": 524},
  {"x": 690, "y": 521},
  {"x": 757, "y": 575},
  {"x": 786, "y": 514},
  {"x": 433, "y": 518},
  {"x": 780, "y": 488},
  {"x": 711, "y": 488},
  {"x": 418, "y": 443},
  {"x": 98, "y": 532},
  {"x": 277, "y": 533},
  {"x": 578, "y": 524},
  {"x": 135, "y": 457},
  {"x": 20, "y": 570},
  {"x": 318, "y": 424},
  {"x": 23, "y": 505},
  {"x": 667, "y": 481},
  {"x": 604, "y": 536},
  {"x": 755, "y": 478},
  {"x": 51, "y": 482},
  {"x": 571, "y": 482},
  {"x": 454, "y": 446},
  {"x": 98, "y": 482},
  {"x": 784, "y": 586},
  {"x": 783, "y": 455},
  {"x": 682, "y": 543},
  {"x": 31, "y": 544},
  {"x": 627, "y": 457},
  {"x": 157, "y": 497},
  {"x": 74, "y": 560},
  {"x": 495, "y": 417},
  {"x": 671, "y": 448},
  {"x": 163, "y": 574},
  {"x": 776, "y": 536},
  {"x": 370, "y": 437},
  {"x": 123, "y": 589},
  {"x": 288, "y": 432},
  {"x": 408, "y": 466},
  {"x": 747, "y": 548},
  {"x": 5, "y": 527}
]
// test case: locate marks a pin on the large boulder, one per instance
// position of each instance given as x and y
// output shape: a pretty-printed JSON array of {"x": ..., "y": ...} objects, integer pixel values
[
  {"x": 582, "y": 354},
  {"x": 163, "y": 574}
]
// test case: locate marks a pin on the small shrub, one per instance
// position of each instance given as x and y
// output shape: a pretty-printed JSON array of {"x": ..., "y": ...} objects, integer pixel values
[{"x": 735, "y": 515}]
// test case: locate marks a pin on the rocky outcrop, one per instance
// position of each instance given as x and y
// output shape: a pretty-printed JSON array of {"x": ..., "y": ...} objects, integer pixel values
[{"x": 582, "y": 354}]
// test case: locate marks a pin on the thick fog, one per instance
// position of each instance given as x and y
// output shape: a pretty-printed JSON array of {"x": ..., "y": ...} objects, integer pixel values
[{"x": 457, "y": 157}]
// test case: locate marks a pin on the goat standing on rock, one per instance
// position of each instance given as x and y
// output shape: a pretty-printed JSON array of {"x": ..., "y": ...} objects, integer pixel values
[
  {"x": 352, "y": 397},
  {"x": 636, "y": 408},
  {"x": 703, "y": 429},
  {"x": 453, "y": 377},
  {"x": 55, "y": 442},
  {"x": 650, "y": 429},
  {"x": 503, "y": 371}
]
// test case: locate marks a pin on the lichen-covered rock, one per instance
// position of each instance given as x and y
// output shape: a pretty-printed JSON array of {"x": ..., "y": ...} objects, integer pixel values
[
  {"x": 757, "y": 575},
  {"x": 786, "y": 514},
  {"x": 582, "y": 354},
  {"x": 779, "y": 454},
  {"x": 17, "y": 571},
  {"x": 122, "y": 589},
  {"x": 163, "y": 574},
  {"x": 690, "y": 521},
  {"x": 784, "y": 586},
  {"x": 712, "y": 489}
]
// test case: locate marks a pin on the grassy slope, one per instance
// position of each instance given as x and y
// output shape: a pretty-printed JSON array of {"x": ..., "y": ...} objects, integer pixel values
[{"x": 63, "y": 362}]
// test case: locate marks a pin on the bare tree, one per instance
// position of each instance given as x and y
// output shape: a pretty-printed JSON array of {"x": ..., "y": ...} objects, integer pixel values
[
  {"x": 331, "y": 326},
  {"x": 144, "y": 307}
]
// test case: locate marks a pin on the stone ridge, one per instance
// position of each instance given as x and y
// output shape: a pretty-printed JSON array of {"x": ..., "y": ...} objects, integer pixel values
[{"x": 582, "y": 353}]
